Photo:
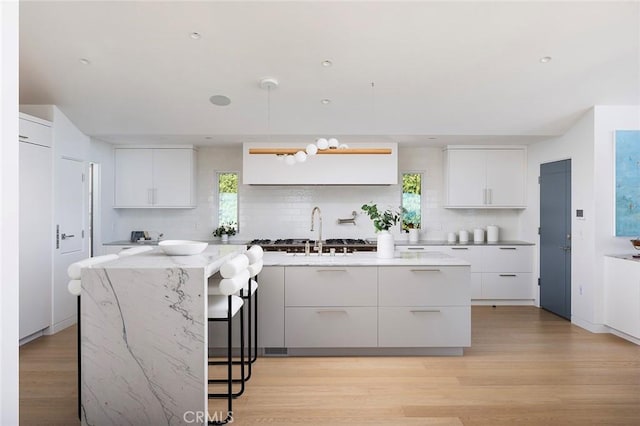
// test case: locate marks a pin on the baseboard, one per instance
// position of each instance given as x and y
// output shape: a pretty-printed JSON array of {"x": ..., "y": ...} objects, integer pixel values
[
  {"x": 59, "y": 326},
  {"x": 514, "y": 302},
  {"x": 31, "y": 337},
  {"x": 624, "y": 336},
  {"x": 589, "y": 326}
]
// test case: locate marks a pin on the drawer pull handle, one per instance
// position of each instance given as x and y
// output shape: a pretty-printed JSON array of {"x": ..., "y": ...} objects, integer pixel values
[
  {"x": 424, "y": 311},
  {"x": 331, "y": 311},
  {"x": 459, "y": 248},
  {"x": 425, "y": 270},
  {"x": 507, "y": 248},
  {"x": 508, "y": 275},
  {"x": 332, "y": 270},
  {"x": 23, "y": 137},
  {"x": 415, "y": 248}
]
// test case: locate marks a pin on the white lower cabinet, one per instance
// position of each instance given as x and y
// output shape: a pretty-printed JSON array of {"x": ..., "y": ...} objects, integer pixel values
[
  {"x": 331, "y": 327},
  {"x": 424, "y": 306},
  {"x": 331, "y": 286},
  {"x": 420, "y": 326},
  {"x": 271, "y": 307},
  {"x": 506, "y": 286},
  {"x": 622, "y": 295}
]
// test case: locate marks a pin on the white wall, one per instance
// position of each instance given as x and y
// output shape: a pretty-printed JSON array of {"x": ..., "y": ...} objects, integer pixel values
[
  {"x": 9, "y": 217},
  {"x": 285, "y": 211},
  {"x": 101, "y": 153},
  {"x": 589, "y": 145}
]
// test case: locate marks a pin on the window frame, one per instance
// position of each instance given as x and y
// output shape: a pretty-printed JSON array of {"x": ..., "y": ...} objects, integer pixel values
[{"x": 217, "y": 184}]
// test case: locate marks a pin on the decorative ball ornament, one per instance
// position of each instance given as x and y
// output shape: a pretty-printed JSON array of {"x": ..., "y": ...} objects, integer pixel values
[
  {"x": 312, "y": 149},
  {"x": 279, "y": 157},
  {"x": 300, "y": 156},
  {"x": 322, "y": 143},
  {"x": 343, "y": 146},
  {"x": 333, "y": 143}
]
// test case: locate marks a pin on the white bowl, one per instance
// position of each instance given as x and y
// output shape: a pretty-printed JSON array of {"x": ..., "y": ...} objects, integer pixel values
[{"x": 182, "y": 247}]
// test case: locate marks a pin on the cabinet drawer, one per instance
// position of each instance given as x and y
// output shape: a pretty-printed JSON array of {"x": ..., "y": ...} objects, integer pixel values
[
  {"x": 472, "y": 255},
  {"x": 419, "y": 248},
  {"x": 331, "y": 286},
  {"x": 508, "y": 259},
  {"x": 419, "y": 326},
  {"x": 34, "y": 133},
  {"x": 330, "y": 327},
  {"x": 507, "y": 286},
  {"x": 424, "y": 285},
  {"x": 476, "y": 285}
]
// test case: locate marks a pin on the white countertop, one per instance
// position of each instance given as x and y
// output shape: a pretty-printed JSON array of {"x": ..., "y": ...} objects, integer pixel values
[
  {"x": 211, "y": 259},
  {"x": 363, "y": 259}
]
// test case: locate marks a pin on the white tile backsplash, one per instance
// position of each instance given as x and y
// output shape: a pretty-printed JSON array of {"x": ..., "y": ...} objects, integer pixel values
[{"x": 285, "y": 211}]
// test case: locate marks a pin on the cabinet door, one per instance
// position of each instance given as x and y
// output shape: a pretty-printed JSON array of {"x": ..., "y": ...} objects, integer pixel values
[
  {"x": 424, "y": 286},
  {"x": 331, "y": 327},
  {"x": 506, "y": 178},
  {"x": 35, "y": 133},
  {"x": 440, "y": 326},
  {"x": 172, "y": 177},
  {"x": 466, "y": 178},
  {"x": 133, "y": 177},
  {"x": 507, "y": 286},
  {"x": 508, "y": 259},
  {"x": 36, "y": 238},
  {"x": 331, "y": 286},
  {"x": 271, "y": 307}
]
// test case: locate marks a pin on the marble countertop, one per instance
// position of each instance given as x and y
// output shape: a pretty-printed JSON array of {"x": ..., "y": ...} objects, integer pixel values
[
  {"x": 210, "y": 259},
  {"x": 362, "y": 259},
  {"x": 470, "y": 243},
  {"x": 232, "y": 242},
  {"x": 625, "y": 257}
]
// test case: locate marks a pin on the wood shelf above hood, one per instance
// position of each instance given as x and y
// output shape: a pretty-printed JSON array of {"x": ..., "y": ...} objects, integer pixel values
[{"x": 285, "y": 151}]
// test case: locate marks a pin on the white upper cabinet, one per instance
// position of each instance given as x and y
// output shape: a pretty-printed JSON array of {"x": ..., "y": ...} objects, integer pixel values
[
  {"x": 155, "y": 177},
  {"x": 322, "y": 169},
  {"x": 492, "y": 177}
]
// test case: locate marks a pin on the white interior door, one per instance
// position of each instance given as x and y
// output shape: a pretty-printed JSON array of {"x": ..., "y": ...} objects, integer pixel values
[{"x": 71, "y": 206}]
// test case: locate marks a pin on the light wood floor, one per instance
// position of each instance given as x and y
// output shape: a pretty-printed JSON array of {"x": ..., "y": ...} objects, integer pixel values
[{"x": 525, "y": 367}]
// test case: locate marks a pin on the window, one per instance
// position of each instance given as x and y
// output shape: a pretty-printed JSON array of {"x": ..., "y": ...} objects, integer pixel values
[
  {"x": 411, "y": 200},
  {"x": 228, "y": 199}
]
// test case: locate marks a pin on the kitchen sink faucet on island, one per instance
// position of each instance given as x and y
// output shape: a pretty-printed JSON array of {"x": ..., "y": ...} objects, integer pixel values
[{"x": 318, "y": 245}]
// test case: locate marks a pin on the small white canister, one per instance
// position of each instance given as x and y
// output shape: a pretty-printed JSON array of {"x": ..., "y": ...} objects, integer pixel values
[
  {"x": 463, "y": 236},
  {"x": 451, "y": 237},
  {"x": 478, "y": 235},
  {"x": 493, "y": 234}
]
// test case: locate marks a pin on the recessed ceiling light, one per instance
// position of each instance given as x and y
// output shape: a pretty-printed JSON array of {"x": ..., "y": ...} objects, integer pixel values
[
  {"x": 545, "y": 59},
  {"x": 85, "y": 61},
  {"x": 220, "y": 100},
  {"x": 327, "y": 63},
  {"x": 195, "y": 35},
  {"x": 208, "y": 137},
  {"x": 325, "y": 101},
  {"x": 432, "y": 138}
]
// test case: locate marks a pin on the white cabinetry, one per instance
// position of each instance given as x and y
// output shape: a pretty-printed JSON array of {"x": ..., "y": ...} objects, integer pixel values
[
  {"x": 424, "y": 307},
  {"x": 506, "y": 272},
  {"x": 271, "y": 307},
  {"x": 622, "y": 295},
  {"x": 485, "y": 177},
  {"x": 155, "y": 177},
  {"x": 321, "y": 169},
  {"x": 331, "y": 307},
  {"x": 498, "y": 273},
  {"x": 36, "y": 226}
]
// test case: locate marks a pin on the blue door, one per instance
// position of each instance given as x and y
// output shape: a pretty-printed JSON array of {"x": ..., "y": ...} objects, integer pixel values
[{"x": 555, "y": 237}]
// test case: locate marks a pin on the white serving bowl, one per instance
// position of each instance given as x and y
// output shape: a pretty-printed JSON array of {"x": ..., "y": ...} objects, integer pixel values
[{"x": 182, "y": 247}]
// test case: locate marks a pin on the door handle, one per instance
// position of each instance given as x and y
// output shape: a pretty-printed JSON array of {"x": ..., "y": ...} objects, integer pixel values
[
  {"x": 65, "y": 236},
  {"x": 565, "y": 248}
]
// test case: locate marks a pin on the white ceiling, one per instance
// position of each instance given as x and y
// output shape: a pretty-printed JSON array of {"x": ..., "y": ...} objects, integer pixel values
[{"x": 457, "y": 72}]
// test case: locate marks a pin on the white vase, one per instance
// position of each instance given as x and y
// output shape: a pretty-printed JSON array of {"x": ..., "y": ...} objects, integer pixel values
[
  {"x": 414, "y": 235},
  {"x": 225, "y": 238},
  {"x": 386, "y": 245}
]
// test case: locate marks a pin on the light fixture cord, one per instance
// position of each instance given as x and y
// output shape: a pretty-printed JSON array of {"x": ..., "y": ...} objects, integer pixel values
[{"x": 269, "y": 113}]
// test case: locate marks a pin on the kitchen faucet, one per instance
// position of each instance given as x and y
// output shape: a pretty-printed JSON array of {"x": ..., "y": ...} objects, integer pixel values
[{"x": 319, "y": 241}]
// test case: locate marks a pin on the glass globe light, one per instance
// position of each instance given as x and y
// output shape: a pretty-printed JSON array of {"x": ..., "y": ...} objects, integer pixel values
[
  {"x": 300, "y": 156},
  {"x": 289, "y": 160},
  {"x": 312, "y": 149},
  {"x": 343, "y": 146},
  {"x": 333, "y": 143},
  {"x": 322, "y": 143}
]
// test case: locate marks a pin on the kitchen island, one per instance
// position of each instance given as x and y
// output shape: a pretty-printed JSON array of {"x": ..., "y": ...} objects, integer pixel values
[
  {"x": 358, "y": 304},
  {"x": 144, "y": 337}
]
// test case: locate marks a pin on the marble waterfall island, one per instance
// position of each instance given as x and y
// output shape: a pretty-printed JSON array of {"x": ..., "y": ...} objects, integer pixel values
[{"x": 144, "y": 338}]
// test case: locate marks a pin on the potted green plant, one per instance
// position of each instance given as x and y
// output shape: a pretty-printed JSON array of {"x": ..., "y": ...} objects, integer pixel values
[
  {"x": 383, "y": 221},
  {"x": 223, "y": 231}
]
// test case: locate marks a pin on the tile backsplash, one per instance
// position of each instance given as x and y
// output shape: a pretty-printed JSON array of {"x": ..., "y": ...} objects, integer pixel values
[{"x": 285, "y": 211}]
